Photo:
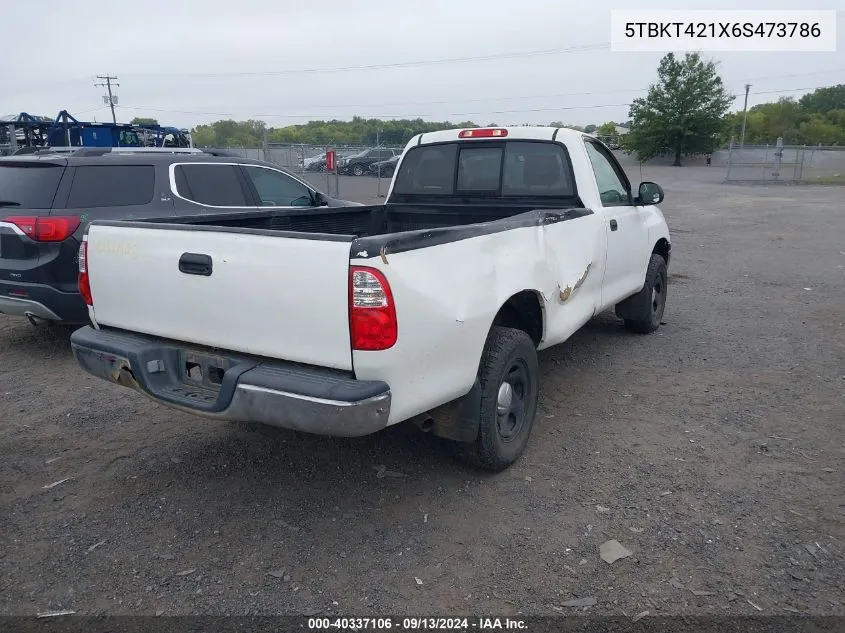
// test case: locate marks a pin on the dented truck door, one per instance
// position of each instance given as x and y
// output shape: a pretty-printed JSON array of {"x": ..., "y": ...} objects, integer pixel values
[{"x": 574, "y": 252}]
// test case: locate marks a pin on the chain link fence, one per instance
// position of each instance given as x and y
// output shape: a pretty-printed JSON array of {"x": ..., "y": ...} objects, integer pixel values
[
  {"x": 798, "y": 164},
  {"x": 300, "y": 158}
]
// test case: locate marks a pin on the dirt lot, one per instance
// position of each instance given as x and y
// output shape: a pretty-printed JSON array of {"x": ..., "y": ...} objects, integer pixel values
[{"x": 713, "y": 450}]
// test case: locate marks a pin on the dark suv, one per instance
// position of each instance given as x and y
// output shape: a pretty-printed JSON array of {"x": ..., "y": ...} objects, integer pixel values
[
  {"x": 359, "y": 164},
  {"x": 47, "y": 198}
]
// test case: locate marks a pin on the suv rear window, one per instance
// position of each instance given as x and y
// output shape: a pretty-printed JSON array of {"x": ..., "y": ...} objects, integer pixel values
[
  {"x": 29, "y": 185},
  {"x": 510, "y": 168},
  {"x": 111, "y": 186}
]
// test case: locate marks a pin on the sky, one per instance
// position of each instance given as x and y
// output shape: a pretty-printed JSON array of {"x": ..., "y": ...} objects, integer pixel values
[{"x": 186, "y": 62}]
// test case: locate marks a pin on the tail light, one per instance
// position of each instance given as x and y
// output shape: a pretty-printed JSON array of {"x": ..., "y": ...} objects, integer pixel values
[
  {"x": 47, "y": 229},
  {"x": 372, "y": 313},
  {"x": 483, "y": 132},
  {"x": 84, "y": 283}
]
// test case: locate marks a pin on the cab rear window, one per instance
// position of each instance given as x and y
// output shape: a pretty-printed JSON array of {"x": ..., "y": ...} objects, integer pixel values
[
  {"x": 510, "y": 168},
  {"x": 28, "y": 185}
]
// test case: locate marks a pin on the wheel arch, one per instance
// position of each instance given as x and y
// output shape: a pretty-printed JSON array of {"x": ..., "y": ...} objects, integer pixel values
[
  {"x": 524, "y": 311},
  {"x": 457, "y": 420},
  {"x": 663, "y": 248}
]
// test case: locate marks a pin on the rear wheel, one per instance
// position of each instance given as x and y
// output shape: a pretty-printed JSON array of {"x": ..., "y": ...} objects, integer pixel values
[
  {"x": 509, "y": 378},
  {"x": 357, "y": 170}
]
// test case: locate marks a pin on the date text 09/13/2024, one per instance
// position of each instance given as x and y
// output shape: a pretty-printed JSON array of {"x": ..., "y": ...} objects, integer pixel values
[{"x": 416, "y": 624}]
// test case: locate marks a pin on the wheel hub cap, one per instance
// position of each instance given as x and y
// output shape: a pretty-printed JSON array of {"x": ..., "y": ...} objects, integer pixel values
[{"x": 505, "y": 398}]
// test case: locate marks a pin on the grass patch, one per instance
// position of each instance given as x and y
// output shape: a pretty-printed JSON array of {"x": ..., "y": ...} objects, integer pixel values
[{"x": 838, "y": 179}]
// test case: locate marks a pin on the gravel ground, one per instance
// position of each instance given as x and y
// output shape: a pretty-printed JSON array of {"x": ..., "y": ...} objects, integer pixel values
[{"x": 711, "y": 450}]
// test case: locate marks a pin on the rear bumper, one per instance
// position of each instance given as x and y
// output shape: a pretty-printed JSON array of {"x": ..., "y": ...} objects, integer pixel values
[
  {"x": 44, "y": 302},
  {"x": 287, "y": 395}
]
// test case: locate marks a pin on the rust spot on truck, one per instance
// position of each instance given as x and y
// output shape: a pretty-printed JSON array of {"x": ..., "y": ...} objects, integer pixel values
[
  {"x": 566, "y": 293},
  {"x": 383, "y": 253}
]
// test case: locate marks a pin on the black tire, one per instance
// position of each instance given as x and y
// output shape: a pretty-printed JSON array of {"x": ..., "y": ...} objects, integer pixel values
[
  {"x": 357, "y": 170},
  {"x": 643, "y": 312},
  {"x": 509, "y": 357}
]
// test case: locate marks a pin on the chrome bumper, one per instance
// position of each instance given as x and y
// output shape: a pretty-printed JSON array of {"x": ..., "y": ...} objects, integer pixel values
[{"x": 287, "y": 395}]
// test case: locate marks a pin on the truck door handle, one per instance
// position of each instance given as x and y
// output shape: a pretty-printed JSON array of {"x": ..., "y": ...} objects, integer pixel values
[
  {"x": 613, "y": 225},
  {"x": 195, "y": 264}
]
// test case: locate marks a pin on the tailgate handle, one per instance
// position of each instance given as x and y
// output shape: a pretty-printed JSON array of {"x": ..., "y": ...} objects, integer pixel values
[{"x": 195, "y": 264}]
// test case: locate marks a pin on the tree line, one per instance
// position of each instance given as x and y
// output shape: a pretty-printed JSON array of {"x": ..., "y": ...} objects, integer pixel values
[
  {"x": 358, "y": 131},
  {"x": 816, "y": 118}
]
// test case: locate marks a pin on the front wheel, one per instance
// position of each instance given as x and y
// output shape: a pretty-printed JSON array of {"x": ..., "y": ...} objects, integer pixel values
[
  {"x": 509, "y": 377},
  {"x": 357, "y": 170},
  {"x": 643, "y": 312}
]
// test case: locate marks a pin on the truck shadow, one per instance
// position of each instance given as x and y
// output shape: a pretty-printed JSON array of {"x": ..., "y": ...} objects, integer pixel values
[{"x": 267, "y": 461}]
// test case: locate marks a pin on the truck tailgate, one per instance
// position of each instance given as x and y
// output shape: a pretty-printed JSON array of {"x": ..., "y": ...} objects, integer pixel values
[{"x": 265, "y": 294}]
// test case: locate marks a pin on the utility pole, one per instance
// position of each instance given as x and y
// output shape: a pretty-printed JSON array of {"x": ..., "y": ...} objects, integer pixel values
[
  {"x": 378, "y": 146},
  {"x": 744, "y": 116},
  {"x": 108, "y": 79}
]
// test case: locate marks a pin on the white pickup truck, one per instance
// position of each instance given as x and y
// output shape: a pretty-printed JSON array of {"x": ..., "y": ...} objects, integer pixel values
[{"x": 493, "y": 243}]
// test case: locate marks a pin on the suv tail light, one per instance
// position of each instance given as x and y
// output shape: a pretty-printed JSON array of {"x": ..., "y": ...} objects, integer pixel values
[
  {"x": 372, "y": 313},
  {"x": 55, "y": 228},
  {"x": 84, "y": 283}
]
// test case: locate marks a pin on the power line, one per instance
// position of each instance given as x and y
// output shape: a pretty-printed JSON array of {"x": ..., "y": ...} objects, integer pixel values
[
  {"x": 482, "y": 99},
  {"x": 412, "y": 115},
  {"x": 814, "y": 72},
  {"x": 772, "y": 92},
  {"x": 380, "y": 116},
  {"x": 407, "y": 64}
]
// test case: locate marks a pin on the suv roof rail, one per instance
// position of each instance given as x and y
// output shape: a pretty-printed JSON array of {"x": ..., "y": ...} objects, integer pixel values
[
  {"x": 151, "y": 150},
  {"x": 221, "y": 152},
  {"x": 102, "y": 151},
  {"x": 44, "y": 150}
]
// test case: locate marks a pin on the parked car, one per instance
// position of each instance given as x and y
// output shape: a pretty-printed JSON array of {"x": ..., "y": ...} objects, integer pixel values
[
  {"x": 493, "y": 243},
  {"x": 48, "y": 197},
  {"x": 318, "y": 163},
  {"x": 315, "y": 163},
  {"x": 385, "y": 168},
  {"x": 358, "y": 164}
]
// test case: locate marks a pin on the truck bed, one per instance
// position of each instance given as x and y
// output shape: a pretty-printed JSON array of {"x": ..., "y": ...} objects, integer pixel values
[
  {"x": 281, "y": 276},
  {"x": 358, "y": 222}
]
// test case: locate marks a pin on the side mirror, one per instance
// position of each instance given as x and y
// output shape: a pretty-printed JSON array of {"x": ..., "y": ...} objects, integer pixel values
[
  {"x": 649, "y": 193},
  {"x": 320, "y": 199}
]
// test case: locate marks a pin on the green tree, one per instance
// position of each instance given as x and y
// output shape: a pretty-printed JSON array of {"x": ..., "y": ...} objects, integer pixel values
[
  {"x": 139, "y": 120},
  {"x": 606, "y": 129},
  {"x": 589, "y": 129},
  {"x": 818, "y": 130},
  {"x": 683, "y": 111},
  {"x": 824, "y": 100}
]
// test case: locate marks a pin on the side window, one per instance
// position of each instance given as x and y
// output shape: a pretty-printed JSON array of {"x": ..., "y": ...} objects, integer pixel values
[
  {"x": 276, "y": 189},
  {"x": 211, "y": 184},
  {"x": 612, "y": 191},
  {"x": 111, "y": 186}
]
